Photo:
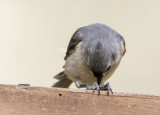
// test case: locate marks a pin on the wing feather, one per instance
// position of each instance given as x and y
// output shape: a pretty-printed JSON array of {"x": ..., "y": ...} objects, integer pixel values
[{"x": 75, "y": 40}]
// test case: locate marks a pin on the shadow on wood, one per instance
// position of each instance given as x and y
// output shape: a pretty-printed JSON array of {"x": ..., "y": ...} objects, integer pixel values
[{"x": 57, "y": 101}]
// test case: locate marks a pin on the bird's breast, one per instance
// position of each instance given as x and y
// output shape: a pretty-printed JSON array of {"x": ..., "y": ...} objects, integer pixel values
[{"x": 76, "y": 65}]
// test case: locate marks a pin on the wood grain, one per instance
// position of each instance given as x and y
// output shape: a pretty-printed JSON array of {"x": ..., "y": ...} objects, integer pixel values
[{"x": 15, "y": 100}]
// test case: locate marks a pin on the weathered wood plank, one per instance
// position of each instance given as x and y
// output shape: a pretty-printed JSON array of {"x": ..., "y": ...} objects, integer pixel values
[{"x": 56, "y": 101}]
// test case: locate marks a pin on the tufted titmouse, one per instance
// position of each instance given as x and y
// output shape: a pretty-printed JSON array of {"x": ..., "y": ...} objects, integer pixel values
[{"x": 93, "y": 54}]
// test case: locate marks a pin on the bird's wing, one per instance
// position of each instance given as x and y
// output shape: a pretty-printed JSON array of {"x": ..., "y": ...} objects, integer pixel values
[
  {"x": 75, "y": 40},
  {"x": 123, "y": 45}
]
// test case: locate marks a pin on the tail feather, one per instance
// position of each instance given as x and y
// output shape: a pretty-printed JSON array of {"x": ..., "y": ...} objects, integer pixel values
[{"x": 64, "y": 81}]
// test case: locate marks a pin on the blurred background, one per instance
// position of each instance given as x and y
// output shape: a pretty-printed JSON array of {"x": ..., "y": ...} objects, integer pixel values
[{"x": 34, "y": 35}]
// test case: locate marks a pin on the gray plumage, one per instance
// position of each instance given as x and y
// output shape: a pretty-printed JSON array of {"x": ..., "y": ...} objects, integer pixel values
[{"x": 94, "y": 52}]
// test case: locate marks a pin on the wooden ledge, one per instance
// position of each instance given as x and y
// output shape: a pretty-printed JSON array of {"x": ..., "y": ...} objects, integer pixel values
[{"x": 19, "y": 100}]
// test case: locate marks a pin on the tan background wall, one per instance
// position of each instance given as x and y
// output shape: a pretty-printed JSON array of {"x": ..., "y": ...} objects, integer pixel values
[{"x": 35, "y": 33}]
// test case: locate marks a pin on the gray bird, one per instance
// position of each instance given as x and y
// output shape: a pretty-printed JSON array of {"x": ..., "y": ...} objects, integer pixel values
[{"x": 93, "y": 54}]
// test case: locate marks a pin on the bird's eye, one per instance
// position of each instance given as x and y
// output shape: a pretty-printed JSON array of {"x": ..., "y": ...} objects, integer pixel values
[{"x": 109, "y": 68}]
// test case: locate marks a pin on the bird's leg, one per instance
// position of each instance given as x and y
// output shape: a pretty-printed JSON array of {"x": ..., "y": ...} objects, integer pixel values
[
  {"x": 107, "y": 88},
  {"x": 79, "y": 84}
]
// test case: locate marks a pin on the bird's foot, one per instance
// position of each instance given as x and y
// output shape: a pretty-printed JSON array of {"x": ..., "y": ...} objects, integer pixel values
[
  {"x": 93, "y": 87},
  {"x": 107, "y": 88},
  {"x": 79, "y": 84}
]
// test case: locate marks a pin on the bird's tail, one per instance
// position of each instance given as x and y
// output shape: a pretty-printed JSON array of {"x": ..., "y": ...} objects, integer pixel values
[{"x": 64, "y": 81}]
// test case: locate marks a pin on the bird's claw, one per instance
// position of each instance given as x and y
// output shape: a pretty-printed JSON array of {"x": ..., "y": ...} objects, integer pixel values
[
  {"x": 107, "y": 88},
  {"x": 94, "y": 87}
]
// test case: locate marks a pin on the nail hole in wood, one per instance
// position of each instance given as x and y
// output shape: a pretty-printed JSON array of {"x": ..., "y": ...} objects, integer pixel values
[{"x": 60, "y": 94}]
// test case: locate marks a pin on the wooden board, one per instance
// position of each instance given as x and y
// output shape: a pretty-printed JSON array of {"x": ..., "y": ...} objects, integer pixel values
[{"x": 57, "y": 101}]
